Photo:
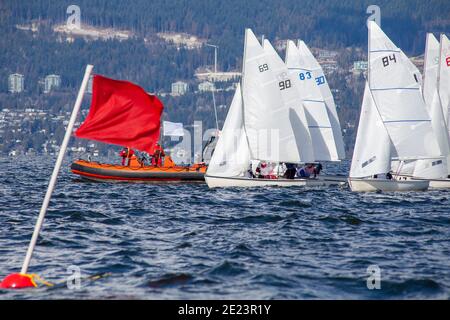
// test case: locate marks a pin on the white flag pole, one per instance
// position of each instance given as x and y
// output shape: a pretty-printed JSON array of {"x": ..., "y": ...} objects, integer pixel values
[{"x": 58, "y": 163}]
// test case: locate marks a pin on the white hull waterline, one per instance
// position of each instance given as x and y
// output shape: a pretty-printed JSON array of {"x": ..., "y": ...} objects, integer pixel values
[
  {"x": 439, "y": 183},
  {"x": 443, "y": 183},
  {"x": 224, "y": 182},
  {"x": 386, "y": 185}
]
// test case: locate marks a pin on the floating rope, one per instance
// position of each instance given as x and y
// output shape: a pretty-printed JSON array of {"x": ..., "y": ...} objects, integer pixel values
[{"x": 38, "y": 279}]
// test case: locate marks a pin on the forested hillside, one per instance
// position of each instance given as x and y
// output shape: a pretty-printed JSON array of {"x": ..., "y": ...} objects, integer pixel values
[{"x": 154, "y": 64}]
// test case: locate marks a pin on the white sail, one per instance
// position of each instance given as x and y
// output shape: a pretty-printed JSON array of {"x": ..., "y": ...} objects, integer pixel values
[
  {"x": 231, "y": 156},
  {"x": 444, "y": 78},
  {"x": 327, "y": 96},
  {"x": 372, "y": 153},
  {"x": 297, "y": 115},
  {"x": 397, "y": 96},
  {"x": 430, "y": 68},
  {"x": 272, "y": 123},
  {"x": 301, "y": 69},
  {"x": 433, "y": 168},
  {"x": 430, "y": 169},
  {"x": 413, "y": 69}
]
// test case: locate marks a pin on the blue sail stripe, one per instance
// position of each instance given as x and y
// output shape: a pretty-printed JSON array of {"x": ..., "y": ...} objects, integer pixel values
[
  {"x": 385, "y": 50},
  {"x": 320, "y": 127},
  {"x": 418, "y": 120},
  {"x": 383, "y": 89}
]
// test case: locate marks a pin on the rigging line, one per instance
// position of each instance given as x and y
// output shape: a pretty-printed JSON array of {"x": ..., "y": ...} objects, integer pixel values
[{"x": 215, "y": 111}]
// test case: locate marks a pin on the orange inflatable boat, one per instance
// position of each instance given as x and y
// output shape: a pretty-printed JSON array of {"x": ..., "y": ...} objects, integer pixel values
[{"x": 137, "y": 172}]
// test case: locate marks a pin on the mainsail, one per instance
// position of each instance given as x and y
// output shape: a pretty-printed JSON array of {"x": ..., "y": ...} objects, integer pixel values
[
  {"x": 322, "y": 83},
  {"x": 444, "y": 78},
  {"x": 372, "y": 153},
  {"x": 433, "y": 168},
  {"x": 272, "y": 114},
  {"x": 398, "y": 99},
  {"x": 303, "y": 69}
]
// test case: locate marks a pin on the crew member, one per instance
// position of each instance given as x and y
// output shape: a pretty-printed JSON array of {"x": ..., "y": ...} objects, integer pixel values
[
  {"x": 158, "y": 155},
  {"x": 307, "y": 171},
  {"x": 126, "y": 153}
]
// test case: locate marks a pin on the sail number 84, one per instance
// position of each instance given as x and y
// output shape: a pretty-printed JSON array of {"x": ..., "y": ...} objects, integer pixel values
[{"x": 386, "y": 60}]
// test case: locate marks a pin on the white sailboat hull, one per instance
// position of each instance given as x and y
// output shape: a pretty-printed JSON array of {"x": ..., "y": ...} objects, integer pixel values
[
  {"x": 372, "y": 185},
  {"x": 224, "y": 182},
  {"x": 440, "y": 184},
  {"x": 443, "y": 183}
]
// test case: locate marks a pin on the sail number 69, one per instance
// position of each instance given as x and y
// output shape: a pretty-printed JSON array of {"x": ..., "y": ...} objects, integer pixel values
[{"x": 263, "y": 67}]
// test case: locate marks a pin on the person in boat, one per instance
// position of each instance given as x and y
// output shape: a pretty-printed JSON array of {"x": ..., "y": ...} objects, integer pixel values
[
  {"x": 249, "y": 173},
  {"x": 291, "y": 170},
  {"x": 259, "y": 168},
  {"x": 262, "y": 170},
  {"x": 317, "y": 169},
  {"x": 306, "y": 171},
  {"x": 266, "y": 171},
  {"x": 145, "y": 159},
  {"x": 386, "y": 176},
  {"x": 158, "y": 156},
  {"x": 126, "y": 153}
]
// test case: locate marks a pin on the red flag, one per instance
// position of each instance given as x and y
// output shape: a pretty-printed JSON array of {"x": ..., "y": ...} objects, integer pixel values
[{"x": 122, "y": 113}]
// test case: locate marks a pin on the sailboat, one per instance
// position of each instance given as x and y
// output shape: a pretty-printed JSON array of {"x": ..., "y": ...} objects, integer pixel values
[
  {"x": 318, "y": 102},
  {"x": 266, "y": 122},
  {"x": 394, "y": 123},
  {"x": 444, "y": 81},
  {"x": 435, "y": 170}
]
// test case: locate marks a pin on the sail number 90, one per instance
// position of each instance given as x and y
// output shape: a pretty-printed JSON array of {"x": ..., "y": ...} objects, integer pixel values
[
  {"x": 263, "y": 67},
  {"x": 286, "y": 84}
]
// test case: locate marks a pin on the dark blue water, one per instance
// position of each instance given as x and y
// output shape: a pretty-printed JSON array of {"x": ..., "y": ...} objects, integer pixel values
[{"x": 189, "y": 242}]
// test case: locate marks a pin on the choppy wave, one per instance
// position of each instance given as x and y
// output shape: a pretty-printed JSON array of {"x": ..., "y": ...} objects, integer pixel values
[{"x": 186, "y": 241}]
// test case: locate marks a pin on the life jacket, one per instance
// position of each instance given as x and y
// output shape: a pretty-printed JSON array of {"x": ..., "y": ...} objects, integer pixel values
[
  {"x": 157, "y": 156},
  {"x": 168, "y": 162},
  {"x": 126, "y": 153},
  {"x": 302, "y": 173}
]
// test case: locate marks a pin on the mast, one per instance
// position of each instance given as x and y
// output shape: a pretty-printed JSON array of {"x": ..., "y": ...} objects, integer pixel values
[
  {"x": 368, "y": 53},
  {"x": 242, "y": 91},
  {"x": 425, "y": 66}
]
